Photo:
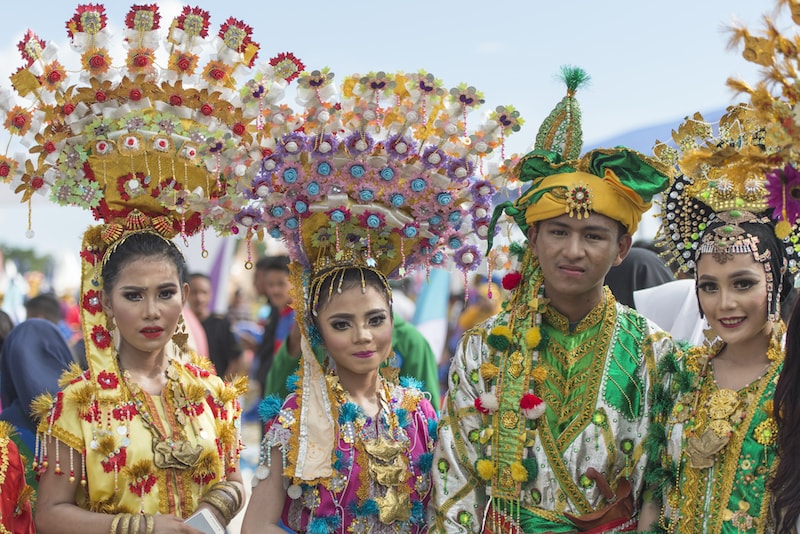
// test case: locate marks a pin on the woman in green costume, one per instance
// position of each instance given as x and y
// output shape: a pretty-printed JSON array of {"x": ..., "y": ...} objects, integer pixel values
[{"x": 720, "y": 436}]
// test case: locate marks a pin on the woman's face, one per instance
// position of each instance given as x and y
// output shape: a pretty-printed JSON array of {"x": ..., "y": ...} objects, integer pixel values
[
  {"x": 356, "y": 328},
  {"x": 733, "y": 295},
  {"x": 145, "y": 302}
]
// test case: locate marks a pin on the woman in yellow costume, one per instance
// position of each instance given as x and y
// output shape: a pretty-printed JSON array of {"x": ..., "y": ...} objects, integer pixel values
[{"x": 148, "y": 435}]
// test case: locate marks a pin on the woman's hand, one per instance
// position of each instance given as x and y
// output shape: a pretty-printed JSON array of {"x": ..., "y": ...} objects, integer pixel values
[{"x": 266, "y": 503}]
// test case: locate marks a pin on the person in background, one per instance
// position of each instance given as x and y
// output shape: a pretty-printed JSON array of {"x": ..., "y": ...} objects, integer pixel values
[
  {"x": 785, "y": 484},
  {"x": 34, "y": 356},
  {"x": 16, "y": 514},
  {"x": 47, "y": 306},
  {"x": 6, "y": 325},
  {"x": 224, "y": 350},
  {"x": 271, "y": 280},
  {"x": 478, "y": 308},
  {"x": 641, "y": 268}
]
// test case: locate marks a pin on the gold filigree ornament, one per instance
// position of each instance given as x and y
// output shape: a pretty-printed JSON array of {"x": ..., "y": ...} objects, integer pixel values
[
  {"x": 702, "y": 449},
  {"x": 766, "y": 433},
  {"x": 394, "y": 506},
  {"x": 515, "y": 366},
  {"x": 725, "y": 411},
  {"x": 722, "y": 404}
]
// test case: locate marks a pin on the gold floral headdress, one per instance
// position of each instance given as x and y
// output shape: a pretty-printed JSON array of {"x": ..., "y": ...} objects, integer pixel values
[
  {"x": 723, "y": 183},
  {"x": 161, "y": 140}
]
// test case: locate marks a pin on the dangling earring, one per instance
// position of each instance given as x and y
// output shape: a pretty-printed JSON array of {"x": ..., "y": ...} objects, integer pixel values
[
  {"x": 181, "y": 335},
  {"x": 111, "y": 326},
  {"x": 708, "y": 332},
  {"x": 391, "y": 372}
]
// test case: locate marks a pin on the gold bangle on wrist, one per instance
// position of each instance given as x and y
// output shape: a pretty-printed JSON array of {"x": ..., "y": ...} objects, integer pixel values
[
  {"x": 221, "y": 502},
  {"x": 125, "y": 524},
  {"x": 233, "y": 491},
  {"x": 115, "y": 523},
  {"x": 136, "y": 520}
]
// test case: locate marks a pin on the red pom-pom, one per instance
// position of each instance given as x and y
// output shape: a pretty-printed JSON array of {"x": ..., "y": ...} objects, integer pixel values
[
  {"x": 532, "y": 406},
  {"x": 511, "y": 280}
]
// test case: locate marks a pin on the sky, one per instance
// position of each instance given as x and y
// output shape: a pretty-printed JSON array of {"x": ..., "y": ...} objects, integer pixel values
[{"x": 651, "y": 63}]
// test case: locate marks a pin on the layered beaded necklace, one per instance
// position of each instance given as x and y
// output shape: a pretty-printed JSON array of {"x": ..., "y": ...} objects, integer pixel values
[{"x": 383, "y": 453}]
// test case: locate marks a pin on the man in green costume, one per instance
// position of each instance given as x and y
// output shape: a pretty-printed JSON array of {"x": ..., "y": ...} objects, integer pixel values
[{"x": 543, "y": 426}]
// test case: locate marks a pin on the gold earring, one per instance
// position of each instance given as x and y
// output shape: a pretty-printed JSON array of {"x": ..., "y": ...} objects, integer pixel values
[
  {"x": 390, "y": 371},
  {"x": 110, "y": 324},
  {"x": 181, "y": 335}
]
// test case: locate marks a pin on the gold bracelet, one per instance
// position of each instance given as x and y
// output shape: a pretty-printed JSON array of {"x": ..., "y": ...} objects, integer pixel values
[
  {"x": 125, "y": 524},
  {"x": 149, "y": 524},
  {"x": 115, "y": 523},
  {"x": 222, "y": 502},
  {"x": 235, "y": 487},
  {"x": 136, "y": 521},
  {"x": 227, "y": 502},
  {"x": 233, "y": 491}
]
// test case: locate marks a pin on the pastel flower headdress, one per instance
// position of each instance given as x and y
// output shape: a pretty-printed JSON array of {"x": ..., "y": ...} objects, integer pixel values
[
  {"x": 155, "y": 141},
  {"x": 383, "y": 172}
]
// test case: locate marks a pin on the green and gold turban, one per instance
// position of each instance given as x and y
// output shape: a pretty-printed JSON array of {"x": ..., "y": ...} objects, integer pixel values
[{"x": 619, "y": 183}]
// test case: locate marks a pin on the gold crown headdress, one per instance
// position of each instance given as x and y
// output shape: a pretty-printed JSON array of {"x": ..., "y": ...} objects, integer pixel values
[
  {"x": 382, "y": 172},
  {"x": 156, "y": 141},
  {"x": 774, "y": 99},
  {"x": 723, "y": 183}
]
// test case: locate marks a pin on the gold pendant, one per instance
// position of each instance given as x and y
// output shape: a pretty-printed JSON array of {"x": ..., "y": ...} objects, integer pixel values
[{"x": 179, "y": 455}]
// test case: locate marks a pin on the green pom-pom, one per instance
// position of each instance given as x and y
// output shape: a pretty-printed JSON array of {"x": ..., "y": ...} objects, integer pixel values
[
  {"x": 497, "y": 342},
  {"x": 574, "y": 77},
  {"x": 668, "y": 364},
  {"x": 531, "y": 467},
  {"x": 517, "y": 249},
  {"x": 662, "y": 401},
  {"x": 656, "y": 440},
  {"x": 684, "y": 381}
]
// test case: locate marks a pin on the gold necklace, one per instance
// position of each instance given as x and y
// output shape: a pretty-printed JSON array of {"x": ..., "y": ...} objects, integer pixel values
[
  {"x": 382, "y": 461},
  {"x": 170, "y": 450},
  {"x": 725, "y": 409}
]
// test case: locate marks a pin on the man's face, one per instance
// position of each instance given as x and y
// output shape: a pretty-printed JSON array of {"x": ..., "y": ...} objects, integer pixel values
[
  {"x": 274, "y": 285},
  {"x": 575, "y": 256},
  {"x": 200, "y": 297}
]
